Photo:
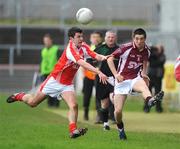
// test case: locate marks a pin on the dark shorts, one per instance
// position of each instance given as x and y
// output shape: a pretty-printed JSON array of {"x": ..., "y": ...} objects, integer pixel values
[{"x": 103, "y": 90}]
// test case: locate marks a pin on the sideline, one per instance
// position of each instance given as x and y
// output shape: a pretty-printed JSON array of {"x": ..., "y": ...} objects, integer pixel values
[{"x": 136, "y": 121}]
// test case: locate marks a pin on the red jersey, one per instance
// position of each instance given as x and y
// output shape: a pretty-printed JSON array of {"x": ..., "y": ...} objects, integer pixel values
[
  {"x": 66, "y": 67},
  {"x": 177, "y": 69},
  {"x": 130, "y": 60}
]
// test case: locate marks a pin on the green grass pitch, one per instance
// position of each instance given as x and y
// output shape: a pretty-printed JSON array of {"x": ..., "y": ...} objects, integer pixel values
[{"x": 22, "y": 127}]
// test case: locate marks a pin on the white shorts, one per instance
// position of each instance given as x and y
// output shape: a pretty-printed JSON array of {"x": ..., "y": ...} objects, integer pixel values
[
  {"x": 126, "y": 86},
  {"x": 53, "y": 88}
]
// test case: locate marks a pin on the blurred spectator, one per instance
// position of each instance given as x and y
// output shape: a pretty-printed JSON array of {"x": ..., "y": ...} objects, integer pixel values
[
  {"x": 157, "y": 60},
  {"x": 177, "y": 69},
  {"x": 89, "y": 76},
  {"x": 49, "y": 56}
]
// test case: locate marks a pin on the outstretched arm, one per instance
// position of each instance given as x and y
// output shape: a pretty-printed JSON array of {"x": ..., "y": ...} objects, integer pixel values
[
  {"x": 100, "y": 57},
  {"x": 88, "y": 66},
  {"x": 112, "y": 67}
]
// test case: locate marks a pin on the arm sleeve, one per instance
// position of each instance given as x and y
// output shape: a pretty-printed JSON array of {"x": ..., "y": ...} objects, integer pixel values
[
  {"x": 146, "y": 56},
  {"x": 177, "y": 75},
  {"x": 88, "y": 51},
  {"x": 177, "y": 70},
  {"x": 71, "y": 53},
  {"x": 117, "y": 52}
]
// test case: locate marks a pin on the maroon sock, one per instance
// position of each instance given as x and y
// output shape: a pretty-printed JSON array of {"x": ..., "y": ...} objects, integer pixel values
[
  {"x": 120, "y": 125},
  {"x": 147, "y": 99}
]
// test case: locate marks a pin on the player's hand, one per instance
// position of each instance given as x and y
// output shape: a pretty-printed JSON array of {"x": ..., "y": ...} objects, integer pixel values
[
  {"x": 144, "y": 76},
  {"x": 102, "y": 78},
  {"x": 107, "y": 56},
  {"x": 146, "y": 80},
  {"x": 119, "y": 78},
  {"x": 103, "y": 58}
]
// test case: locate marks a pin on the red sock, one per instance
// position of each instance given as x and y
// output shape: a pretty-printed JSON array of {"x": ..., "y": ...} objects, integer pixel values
[
  {"x": 72, "y": 127},
  {"x": 19, "y": 96}
]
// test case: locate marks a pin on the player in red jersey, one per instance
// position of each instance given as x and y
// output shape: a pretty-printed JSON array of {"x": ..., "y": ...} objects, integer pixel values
[
  {"x": 60, "y": 82},
  {"x": 129, "y": 76},
  {"x": 177, "y": 69}
]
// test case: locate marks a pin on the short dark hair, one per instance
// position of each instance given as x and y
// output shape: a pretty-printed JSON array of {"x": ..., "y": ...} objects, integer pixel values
[
  {"x": 72, "y": 31},
  {"x": 48, "y": 36},
  {"x": 139, "y": 31},
  {"x": 98, "y": 32}
]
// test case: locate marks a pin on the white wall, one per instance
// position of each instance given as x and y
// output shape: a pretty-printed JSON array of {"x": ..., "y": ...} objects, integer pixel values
[{"x": 170, "y": 16}]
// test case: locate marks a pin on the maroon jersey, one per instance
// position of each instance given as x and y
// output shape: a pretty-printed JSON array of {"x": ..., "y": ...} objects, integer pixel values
[{"x": 130, "y": 60}]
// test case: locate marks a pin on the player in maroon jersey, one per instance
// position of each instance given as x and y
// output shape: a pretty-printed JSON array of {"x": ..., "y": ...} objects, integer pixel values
[{"x": 129, "y": 76}]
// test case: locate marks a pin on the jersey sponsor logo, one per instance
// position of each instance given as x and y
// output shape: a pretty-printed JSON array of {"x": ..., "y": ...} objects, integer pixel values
[{"x": 134, "y": 65}]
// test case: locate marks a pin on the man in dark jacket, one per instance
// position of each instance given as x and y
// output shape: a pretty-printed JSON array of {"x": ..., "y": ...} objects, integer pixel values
[
  {"x": 157, "y": 60},
  {"x": 103, "y": 91}
]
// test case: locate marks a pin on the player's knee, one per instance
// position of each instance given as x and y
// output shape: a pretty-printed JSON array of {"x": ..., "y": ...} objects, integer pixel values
[
  {"x": 32, "y": 104},
  {"x": 74, "y": 106},
  {"x": 117, "y": 111}
]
